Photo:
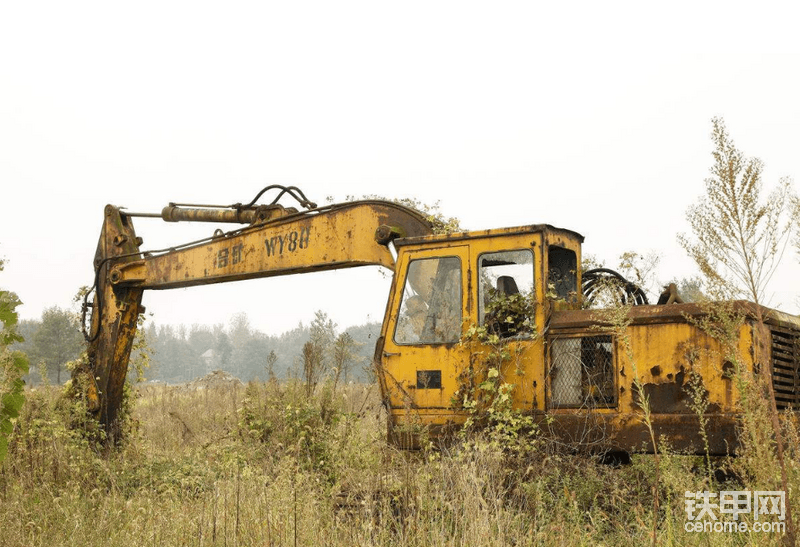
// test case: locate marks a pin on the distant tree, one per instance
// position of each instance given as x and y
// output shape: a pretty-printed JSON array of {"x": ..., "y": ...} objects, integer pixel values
[
  {"x": 690, "y": 289},
  {"x": 248, "y": 358},
  {"x": 57, "y": 341},
  {"x": 176, "y": 360},
  {"x": 201, "y": 339},
  {"x": 240, "y": 329},
  {"x": 272, "y": 358},
  {"x": 322, "y": 334},
  {"x": 365, "y": 337},
  {"x": 244, "y": 352},
  {"x": 312, "y": 366},
  {"x": 343, "y": 356},
  {"x": 223, "y": 349}
]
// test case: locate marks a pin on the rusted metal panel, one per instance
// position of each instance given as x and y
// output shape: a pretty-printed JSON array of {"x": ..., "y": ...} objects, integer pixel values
[
  {"x": 587, "y": 431},
  {"x": 672, "y": 313},
  {"x": 628, "y": 432}
]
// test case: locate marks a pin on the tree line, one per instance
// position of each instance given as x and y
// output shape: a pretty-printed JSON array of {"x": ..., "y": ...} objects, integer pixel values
[{"x": 178, "y": 354}]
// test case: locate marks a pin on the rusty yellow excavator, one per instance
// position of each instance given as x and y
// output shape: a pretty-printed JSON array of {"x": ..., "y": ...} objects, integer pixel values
[{"x": 583, "y": 379}]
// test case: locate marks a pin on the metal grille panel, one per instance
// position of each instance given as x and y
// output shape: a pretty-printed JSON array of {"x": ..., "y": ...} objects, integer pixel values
[
  {"x": 785, "y": 374},
  {"x": 582, "y": 372}
]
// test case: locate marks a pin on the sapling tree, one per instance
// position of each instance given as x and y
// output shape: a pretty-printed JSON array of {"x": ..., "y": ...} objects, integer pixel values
[
  {"x": 344, "y": 353},
  {"x": 272, "y": 358},
  {"x": 315, "y": 351},
  {"x": 738, "y": 236},
  {"x": 57, "y": 341}
]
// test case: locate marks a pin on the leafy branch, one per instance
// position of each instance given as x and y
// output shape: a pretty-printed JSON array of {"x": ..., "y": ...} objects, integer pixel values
[{"x": 14, "y": 365}]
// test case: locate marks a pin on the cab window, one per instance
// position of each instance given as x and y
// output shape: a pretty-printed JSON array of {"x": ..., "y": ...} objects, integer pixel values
[
  {"x": 431, "y": 311},
  {"x": 506, "y": 292},
  {"x": 562, "y": 276}
]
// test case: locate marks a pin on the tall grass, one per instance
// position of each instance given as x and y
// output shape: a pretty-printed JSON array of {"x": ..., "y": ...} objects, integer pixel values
[{"x": 264, "y": 464}]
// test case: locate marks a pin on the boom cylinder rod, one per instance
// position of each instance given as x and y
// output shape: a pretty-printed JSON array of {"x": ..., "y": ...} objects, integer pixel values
[
  {"x": 173, "y": 213},
  {"x": 180, "y": 214}
]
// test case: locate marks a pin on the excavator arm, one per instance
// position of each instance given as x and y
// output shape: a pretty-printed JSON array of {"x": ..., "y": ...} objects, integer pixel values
[{"x": 277, "y": 242}]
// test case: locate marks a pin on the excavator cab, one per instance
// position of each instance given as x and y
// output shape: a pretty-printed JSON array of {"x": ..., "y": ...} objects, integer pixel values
[
  {"x": 503, "y": 282},
  {"x": 584, "y": 374}
]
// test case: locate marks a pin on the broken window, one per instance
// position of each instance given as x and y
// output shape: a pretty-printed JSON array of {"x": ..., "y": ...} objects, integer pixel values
[
  {"x": 430, "y": 312},
  {"x": 506, "y": 292},
  {"x": 582, "y": 372}
]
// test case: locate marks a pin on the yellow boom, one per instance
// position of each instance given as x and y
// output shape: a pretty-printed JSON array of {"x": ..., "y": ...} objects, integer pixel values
[{"x": 279, "y": 242}]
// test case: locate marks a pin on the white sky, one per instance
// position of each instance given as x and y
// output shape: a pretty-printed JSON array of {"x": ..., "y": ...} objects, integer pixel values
[{"x": 593, "y": 116}]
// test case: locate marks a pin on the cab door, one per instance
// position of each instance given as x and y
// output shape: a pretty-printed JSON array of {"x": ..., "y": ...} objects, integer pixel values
[
  {"x": 510, "y": 291},
  {"x": 428, "y": 309}
]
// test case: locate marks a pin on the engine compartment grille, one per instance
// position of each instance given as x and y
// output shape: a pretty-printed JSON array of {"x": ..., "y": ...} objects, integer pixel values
[{"x": 785, "y": 364}]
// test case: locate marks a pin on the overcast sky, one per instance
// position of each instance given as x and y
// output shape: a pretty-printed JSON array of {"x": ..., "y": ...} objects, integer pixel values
[{"x": 593, "y": 116}]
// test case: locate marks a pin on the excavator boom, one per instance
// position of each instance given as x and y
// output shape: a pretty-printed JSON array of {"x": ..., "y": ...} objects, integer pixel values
[{"x": 279, "y": 242}]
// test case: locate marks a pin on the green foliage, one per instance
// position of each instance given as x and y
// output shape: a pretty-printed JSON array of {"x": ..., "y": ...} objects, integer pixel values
[
  {"x": 13, "y": 365},
  {"x": 141, "y": 353},
  {"x": 55, "y": 340},
  {"x": 314, "y": 429},
  {"x": 441, "y": 223},
  {"x": 508, "y": 315},
  {"x": 484, "y": 387}
]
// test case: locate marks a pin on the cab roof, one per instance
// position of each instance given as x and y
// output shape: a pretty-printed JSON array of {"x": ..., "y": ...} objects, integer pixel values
[{"x": 543, "y": 229}]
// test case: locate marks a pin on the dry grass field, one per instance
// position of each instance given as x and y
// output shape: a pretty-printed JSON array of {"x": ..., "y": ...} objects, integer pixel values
[{"x": 263, "y": 464}]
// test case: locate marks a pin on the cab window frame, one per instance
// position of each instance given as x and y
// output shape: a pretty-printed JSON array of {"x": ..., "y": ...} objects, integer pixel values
[{"x": 403, "y": 322}]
